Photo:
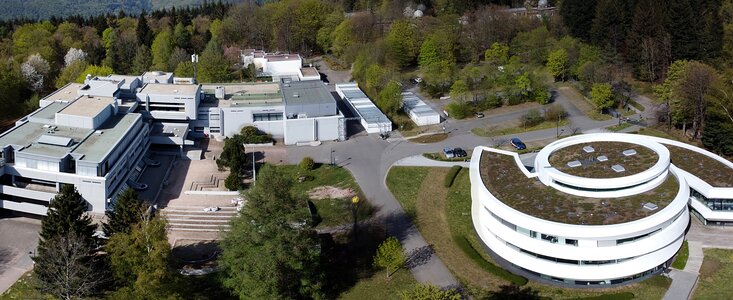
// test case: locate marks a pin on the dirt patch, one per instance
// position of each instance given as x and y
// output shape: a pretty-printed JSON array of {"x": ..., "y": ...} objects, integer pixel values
[
  {"x": 330, "y": 192},
  {"x": 710, "y": 266}
]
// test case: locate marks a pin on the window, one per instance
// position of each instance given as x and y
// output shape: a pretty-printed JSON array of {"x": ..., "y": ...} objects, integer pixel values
[
  {"x": 267, "y": 116},
  {"x": 571, "y": 242},
  {"x": 549, "y": 238}
]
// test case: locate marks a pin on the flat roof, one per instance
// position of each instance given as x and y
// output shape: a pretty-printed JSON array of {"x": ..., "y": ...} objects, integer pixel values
[
  {"x": 282, "y": 57},
  {"x": 170, "y": 89},
  {"x": 87, "y": 106},
  {"x": 309, "y": 72},
  {"x": 604, "y": 155},
  {"x": 168, "y": 129},
  {"x": 414, "y": 104},
  {"x": 67, "y": 93},
  {"x": 157, "y": 75},
  {"x": 364, "y": 106},
  {"x": 47, "y": 114},
  {"x": 306, "y": 92},
  {"x": 96, "y": 146},
  {"x": 29, "y": 135},
  {"x": 501, "y": 175}
]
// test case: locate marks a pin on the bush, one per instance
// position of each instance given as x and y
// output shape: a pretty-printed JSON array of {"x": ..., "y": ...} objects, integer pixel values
[
  {"x": 233, "y": 183},
  {"x": 532, "y": 118},
  {"x": 451, "y": 176},
  {"x": 458, "y": 110},
  {"x": 307, "y": 163},
  {"x": 249, "y": 130},
  {"x": 252, "y": 135},
  {"x": 555, "y": 112}
]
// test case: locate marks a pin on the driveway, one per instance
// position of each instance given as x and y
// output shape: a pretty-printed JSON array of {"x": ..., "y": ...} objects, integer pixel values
[{"x": 19, "y": 238}]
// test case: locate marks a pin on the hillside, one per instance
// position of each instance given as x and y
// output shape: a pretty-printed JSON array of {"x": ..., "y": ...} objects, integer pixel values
[{"x": 62, "y": 8}]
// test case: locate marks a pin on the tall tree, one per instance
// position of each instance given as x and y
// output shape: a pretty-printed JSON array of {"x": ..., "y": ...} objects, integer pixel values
[
  {"x": 66, "y": 268},
  {"x": 402, "y": 43},
  {"x": 143, "y": 32},
  {"x": 684, "y": 29},
  {"x": 578, "y": 16},
  {"x": 390, "y": 98},
  {"x": 66, "y": 215},
  {"x": 558, "y": 64},
  {"x": 127, "y": 211},
  {"x": 213, "y": 66},
  {"x": 601, "y": 95},
  {"x": 142, "y": 61},
  {"x": 650, "y": 45},
  {"x": 272, "y": 250},
  {"x": 694, "y": 87},
  {"x": 161, "y": 50}
]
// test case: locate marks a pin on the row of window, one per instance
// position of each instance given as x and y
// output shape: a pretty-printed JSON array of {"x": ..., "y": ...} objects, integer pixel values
[
  {"x": 712, "y": 203},
  {"x": 568, "y": 261},
  {"x": 601, "y": 282},
  {"x": 267, "y": 116}
]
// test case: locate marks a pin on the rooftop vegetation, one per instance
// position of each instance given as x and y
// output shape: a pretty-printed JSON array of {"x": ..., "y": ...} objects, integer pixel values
[
  {"x": 504, "y": 180},
  {"x": 591, "y": 167},
  {"x": 704, "y": 167}
]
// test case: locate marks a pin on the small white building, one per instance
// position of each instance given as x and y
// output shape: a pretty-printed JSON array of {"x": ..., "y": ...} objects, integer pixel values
[
  {"x": 170, "y": 101},
  {"x": 373, "y": 120},
  {"x": 279, "y": 65},
  {"x": 420, "y": 113},
  {"x": 157, "y": 77}
]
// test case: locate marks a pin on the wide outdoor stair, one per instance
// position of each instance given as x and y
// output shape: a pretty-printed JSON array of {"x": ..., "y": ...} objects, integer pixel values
[
  {"x": 194, "y": 218},
  {"x": 213, "y": 183}
]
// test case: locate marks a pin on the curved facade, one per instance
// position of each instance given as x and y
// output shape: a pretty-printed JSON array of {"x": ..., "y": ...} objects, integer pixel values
[{"x": 626, "y": 226}]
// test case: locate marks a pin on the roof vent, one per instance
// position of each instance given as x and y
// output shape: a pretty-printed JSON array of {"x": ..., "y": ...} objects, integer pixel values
[
  {"x": 99, "y": 132},
  {"x": 296, "y": 95},
  {"x": 602, "y": 158},
  {"x": 618, "y": 168},
  {"x": 574, "y": 164},
  {"x": 650, "y": 206},
  {"x": 629, "y": 152},
  {"x": 589, "y": 149}
]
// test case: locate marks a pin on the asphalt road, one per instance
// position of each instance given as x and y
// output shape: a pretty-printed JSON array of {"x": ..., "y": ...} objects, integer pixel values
[{"x": 19, "y": 238}]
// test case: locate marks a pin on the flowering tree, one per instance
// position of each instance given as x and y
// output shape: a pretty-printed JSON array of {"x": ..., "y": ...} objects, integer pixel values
[
  {"x": 73, "y": 55},
  {"x": 35, "y": 69}
]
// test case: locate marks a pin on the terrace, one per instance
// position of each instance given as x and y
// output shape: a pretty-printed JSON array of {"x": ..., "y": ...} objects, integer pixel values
[
  {"x": 503, "y": 178},
  {"x": 602, "y": 159},
  {"x": 702, "y": 166}
]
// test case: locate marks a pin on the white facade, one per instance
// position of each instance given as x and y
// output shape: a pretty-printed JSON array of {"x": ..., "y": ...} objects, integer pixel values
[
  {"x": 373, "y": 120},
  {"x": 170, "y": 102},
  {"x": 418, "y": 110},
  {"x": 583, "y": 254}
]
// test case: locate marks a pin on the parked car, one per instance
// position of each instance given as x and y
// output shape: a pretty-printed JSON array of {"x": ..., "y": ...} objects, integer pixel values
[
  {"x": 448, "y": 152},
  {"x": 458, "y": 152},
  {"x": 517, "y": 143},
  {"x": 479, "y": 115}
]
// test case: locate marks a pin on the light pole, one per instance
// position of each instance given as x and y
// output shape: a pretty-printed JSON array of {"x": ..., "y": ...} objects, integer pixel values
[
  {"x": 333, "y": 158},
  {"x": 194, "y": 60},
  {"x": 354, "y": 209},
  {"x": 254, "y": 172}
]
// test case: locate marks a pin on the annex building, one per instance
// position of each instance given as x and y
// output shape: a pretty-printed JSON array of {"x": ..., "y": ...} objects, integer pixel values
[{"x": 596, "y": 209}]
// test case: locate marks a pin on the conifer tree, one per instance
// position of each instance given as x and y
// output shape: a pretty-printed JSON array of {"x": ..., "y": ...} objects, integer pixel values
[
  {"x": 143, "y": 32},
  {"x": 128, "y": 211},
  {"x": 66, "y": 215}
]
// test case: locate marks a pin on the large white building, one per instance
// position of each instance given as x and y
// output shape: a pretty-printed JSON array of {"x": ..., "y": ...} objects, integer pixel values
[{"x": 596, "y": 208}]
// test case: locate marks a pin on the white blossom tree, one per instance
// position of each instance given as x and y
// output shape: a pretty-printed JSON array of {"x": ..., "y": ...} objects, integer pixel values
[
  {"x": 35, "y": 69},
  {"x": 73, "y": 55}
]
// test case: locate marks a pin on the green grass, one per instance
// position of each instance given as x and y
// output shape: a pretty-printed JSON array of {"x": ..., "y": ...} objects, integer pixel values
[
  {"x": 716, "y": 274},
  {"x": 378, "y": 287},
  {"x": 332, "y": 211},
  {"x": 636, "y": 105},
  {"x": 439, "y": 156},
  {"x": 428, "y": 139},
  {"x": 681, "y": 260},
  {"x": 24, "y": 288},
  {"x": 448, "y": 180},
  {"x": 617, "y": 128},
  {"x": 487, "y": 132},
  {"x": 404, "y": 183},
  {"x": 616, "y": 296}
]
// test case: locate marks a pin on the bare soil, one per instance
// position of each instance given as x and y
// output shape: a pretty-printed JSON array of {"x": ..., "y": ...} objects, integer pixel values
[{"x": 330, "y": 192}]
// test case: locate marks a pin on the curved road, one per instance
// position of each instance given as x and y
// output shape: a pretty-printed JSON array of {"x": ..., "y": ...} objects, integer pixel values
[{"x": 370, "y": 158}]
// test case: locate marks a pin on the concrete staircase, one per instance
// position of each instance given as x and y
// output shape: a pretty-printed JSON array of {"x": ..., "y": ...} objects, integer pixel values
[
  {"x": 193, "y": 219},
  {"x": 214, "y": 183}
]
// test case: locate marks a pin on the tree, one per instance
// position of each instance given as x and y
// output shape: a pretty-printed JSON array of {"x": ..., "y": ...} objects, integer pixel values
[
  {"x": 35, "y": 69},
  {"x": 324, "y": 37},
  {"x": 66, "y": 268},
  {"x": 185, "y": 69},
  {"x": 694, "y": 87},
  {"x": 143, "y": 61},
  {"x": 514, "y": 292},
  {"x": 459, "y": 90},
  {"x": 402, "y": 43},
  {"x": 140, "y": 261},
  {"x": 429, "y": 292},
  {"x": 127, "y": 211},
  {"x": 601, "y": 95},
  {"x": 181, "y": 37},
  {"x": 73, "y": 55},
  {"x": 522, "y": 85},
  {"x": 213, "y": 67},
  {"x": 390, "y": 256},
  {"x": 390, "y": 98},
  {"x": 233, "y": 182},
  {"x": 177, "y": 57},
  {"x": 498, "y": 54},
  {"x": 272, "y": 249},
  {"x": 161, "y": 50},
  {"x": 578, "y": 16},
  {"x": 557, "y": 63},
  {"x": 717, "y": 136},
  {"x": 66, "y": 215},
  {"x": 143, "y": 32}
]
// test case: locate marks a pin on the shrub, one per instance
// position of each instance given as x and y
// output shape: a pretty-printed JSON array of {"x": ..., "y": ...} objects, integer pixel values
[
  {"x": 390, "y": 256},
  {"x": 451, "y": 176},
  {"x": 555, "y": 112},
  {"x": 458, "y": 110},
  {"x": 249, "y": 130},
  {"x": 532, "y": 118},
  {"x": 307, "y": 163},
  {"x": 252, "y": 135},
  {"x": 232, "y": 182}
]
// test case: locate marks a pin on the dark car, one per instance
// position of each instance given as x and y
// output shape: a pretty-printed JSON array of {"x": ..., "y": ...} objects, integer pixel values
[
  {"x": 460, "y": 152},
  {"x": 517, "y": 143}
]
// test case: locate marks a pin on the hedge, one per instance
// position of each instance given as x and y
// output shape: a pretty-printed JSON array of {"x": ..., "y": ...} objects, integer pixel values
[
  {"x": 448, "y": 181},
  {"x": 471, "y": 252}
]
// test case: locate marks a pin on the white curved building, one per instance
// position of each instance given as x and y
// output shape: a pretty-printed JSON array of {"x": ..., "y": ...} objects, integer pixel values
[{"x": 597, "y": 208}]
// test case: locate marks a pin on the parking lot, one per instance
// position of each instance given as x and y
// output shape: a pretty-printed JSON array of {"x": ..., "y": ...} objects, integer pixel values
[{"x": 19, "y": 238}]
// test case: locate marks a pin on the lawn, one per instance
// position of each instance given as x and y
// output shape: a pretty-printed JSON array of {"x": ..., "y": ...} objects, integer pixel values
[
  {"x": 439, "y": 156},
  {"x": 619, "y": 127},
  {"x": 681, "y": 260},
  {"x": 487, "y": 132},
  {"x": 716, "y": 275},
  {"x": 427, "y": 139},
  {"x": 331, "y": 190},
  {"x": 444, "y": 216},
  {"x": 378, "y": 287},
  {"x": 24, "y": 288}
]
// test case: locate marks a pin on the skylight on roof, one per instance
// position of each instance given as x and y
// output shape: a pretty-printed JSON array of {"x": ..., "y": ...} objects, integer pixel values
[
  {"x": 629, "y": 152},
  {"x": 618, "y": 168},
  {"x": 589, "y": 149}
]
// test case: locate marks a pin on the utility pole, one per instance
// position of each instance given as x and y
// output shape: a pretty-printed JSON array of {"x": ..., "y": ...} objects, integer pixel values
[
  {"x": 254, "y": 172},
  {"x": 194, "y": 60}
]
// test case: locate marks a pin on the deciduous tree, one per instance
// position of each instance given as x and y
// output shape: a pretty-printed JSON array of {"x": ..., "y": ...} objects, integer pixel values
[
  {"x": 429, "y": 292},
  {"x": 601, "y": 95},
  {"x": 557, "y": 63},
  {"x": 390, "y": 256}
]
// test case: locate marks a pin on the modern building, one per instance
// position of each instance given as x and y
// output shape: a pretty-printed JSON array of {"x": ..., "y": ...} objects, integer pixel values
[
  {"x": 170, "y": 101},
  {"x": 420, "y": 113},
  {"x": 279, "y": 65},
  {"x": 83, "y": 141},
  {"x": 373, "y": 120},
  {"x": 157, "y": 77},
  {"x": 595, "y": 209},
  {"x": 296, "y": 111}
]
